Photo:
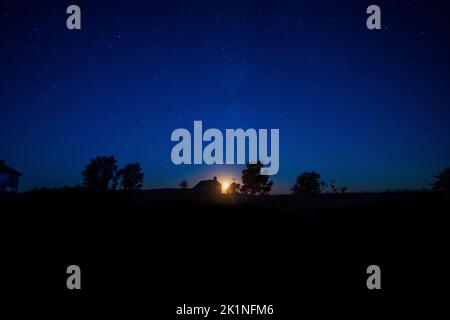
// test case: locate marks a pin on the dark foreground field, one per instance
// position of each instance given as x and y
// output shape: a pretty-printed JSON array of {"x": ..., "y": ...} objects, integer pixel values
[{"x": 151, "y": 251}]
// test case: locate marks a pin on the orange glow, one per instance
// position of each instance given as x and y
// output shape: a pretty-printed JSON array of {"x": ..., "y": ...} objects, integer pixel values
[{"x": 225, "y": 187}]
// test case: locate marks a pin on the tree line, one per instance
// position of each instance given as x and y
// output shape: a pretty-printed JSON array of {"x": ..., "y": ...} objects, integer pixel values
[
  {"x": 307, "y": 183},
  {"x": 103, "y": 173}
]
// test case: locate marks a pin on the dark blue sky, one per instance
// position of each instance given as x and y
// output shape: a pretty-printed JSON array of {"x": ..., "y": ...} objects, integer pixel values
[{"x": 370, "y": 109}]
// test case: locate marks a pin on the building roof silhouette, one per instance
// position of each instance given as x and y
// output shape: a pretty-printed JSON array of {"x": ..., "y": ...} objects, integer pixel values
[
  {"x": 8, "y": 170},
  {"x": 208, "y": 186}
]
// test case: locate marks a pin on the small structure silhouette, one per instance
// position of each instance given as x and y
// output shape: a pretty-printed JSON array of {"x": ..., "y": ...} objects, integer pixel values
[
  {"x": 9, "y": 178},
  {"x": 208, "y": 187}
]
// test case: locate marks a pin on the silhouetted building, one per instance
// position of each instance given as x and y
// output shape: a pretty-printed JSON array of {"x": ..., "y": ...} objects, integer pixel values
[
  {"x": 208, "y": 187},
  {"x": 9, "y": 178}
]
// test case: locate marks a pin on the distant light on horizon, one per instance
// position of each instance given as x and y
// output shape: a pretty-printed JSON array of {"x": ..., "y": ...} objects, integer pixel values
[{"x": 225, "y": 186}]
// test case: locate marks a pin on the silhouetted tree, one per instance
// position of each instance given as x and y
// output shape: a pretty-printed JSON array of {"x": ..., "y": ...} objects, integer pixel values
[
  {"x": 183, "y": 185},
  {"x": 234, "y": 188},
  {"x": 333, "y": 187},
  {"x": 308, "y": 183},
  {"x": 253, "y": 181},
  {"x": 442, "y": 183},
  {"x": 99, "y": 172},
  {"x": 130, "y": 177}
]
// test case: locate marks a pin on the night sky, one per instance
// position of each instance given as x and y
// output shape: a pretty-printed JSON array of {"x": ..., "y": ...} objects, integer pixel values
[{"x": 370, "y": 109}]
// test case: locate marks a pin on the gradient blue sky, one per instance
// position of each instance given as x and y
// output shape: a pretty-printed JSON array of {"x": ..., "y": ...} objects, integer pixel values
[{"x": 367, "y": 108}]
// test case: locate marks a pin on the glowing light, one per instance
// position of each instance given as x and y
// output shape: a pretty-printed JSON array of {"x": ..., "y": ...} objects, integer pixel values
[{"x": 225, "y": 187}]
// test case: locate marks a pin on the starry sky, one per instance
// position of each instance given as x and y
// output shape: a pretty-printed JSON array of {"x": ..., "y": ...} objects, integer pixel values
[{"x": 370, "y": 109}]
